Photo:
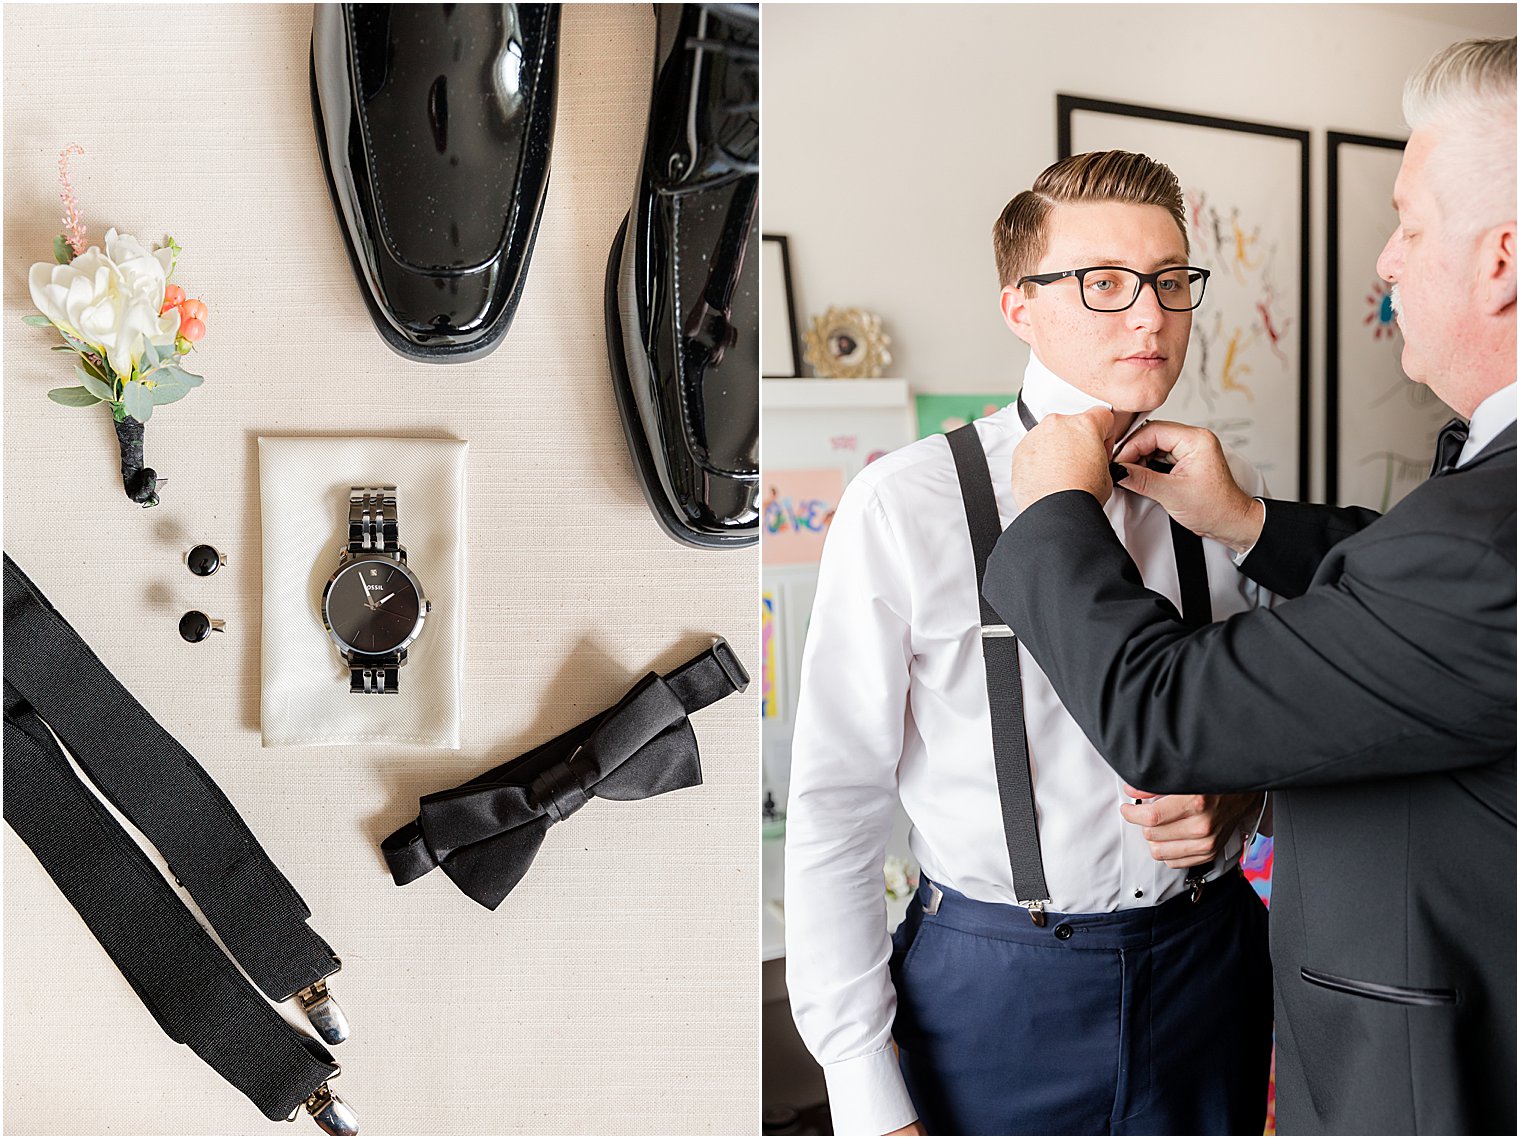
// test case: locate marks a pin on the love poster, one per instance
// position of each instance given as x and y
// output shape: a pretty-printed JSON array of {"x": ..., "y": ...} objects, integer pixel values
[{"x": 798, "y": 507}]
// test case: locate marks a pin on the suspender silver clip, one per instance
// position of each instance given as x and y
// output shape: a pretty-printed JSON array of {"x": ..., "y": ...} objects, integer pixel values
[
  {"x": 1195, "y": 888},
  {"x": 323, "y": 1012},
  {"x": 330, "y": 1113},
  {"x": 996, "y": 631},
  {"x": 1037, "y": 911}
]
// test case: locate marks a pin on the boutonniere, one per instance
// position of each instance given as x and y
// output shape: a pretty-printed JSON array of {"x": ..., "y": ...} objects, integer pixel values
[{"x": 130, "y": 327}]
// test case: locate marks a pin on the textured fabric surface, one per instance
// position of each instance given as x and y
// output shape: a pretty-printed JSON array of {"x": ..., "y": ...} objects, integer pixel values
[
  {"x": 304, "y": 489},
  {"x": 615, "y": 990}
]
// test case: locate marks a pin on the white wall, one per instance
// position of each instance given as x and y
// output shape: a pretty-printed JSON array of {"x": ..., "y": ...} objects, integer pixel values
[{"x": 894, "y": 135}]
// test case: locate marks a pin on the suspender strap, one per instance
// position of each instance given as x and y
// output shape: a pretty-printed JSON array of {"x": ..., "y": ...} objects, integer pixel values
[
  {"x": 197, "y": 996},
  {"x": 1005, "y": 690},
  {"x": 158, "y": 785},
  {"x": 1005, "y": 697}
]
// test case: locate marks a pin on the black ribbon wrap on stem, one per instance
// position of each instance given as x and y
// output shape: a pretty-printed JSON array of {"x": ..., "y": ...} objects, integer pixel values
[
  {"x": 485, "y": 833},
  {"x": 139, "y": 481}
]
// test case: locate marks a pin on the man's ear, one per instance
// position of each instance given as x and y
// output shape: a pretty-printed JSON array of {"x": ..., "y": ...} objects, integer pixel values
[
  {"x": 1496, "y": 270},
  {"x": 1015, "y": 306}
]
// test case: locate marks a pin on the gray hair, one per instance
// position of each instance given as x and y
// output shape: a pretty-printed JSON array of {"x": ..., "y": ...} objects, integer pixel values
[
  {"x": 1472, "y": 77},
  {"x": 1465, "y": 96}
]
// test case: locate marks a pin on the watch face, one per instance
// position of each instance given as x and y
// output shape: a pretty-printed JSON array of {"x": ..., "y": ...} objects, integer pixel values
[{"x": 372, "y": 606}]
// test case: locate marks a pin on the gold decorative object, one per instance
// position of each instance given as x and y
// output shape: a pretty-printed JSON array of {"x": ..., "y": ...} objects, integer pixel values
[{"x": 846, "y": 344}]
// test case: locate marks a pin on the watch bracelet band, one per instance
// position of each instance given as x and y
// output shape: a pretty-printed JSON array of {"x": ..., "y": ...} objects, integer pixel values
[
  {"x": 373, "y": 528},
  {"x": 380, "y": 678}
]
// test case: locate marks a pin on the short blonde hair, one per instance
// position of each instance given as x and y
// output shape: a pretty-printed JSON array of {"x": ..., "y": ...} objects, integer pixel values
[{"x": 1018, "y": 236}]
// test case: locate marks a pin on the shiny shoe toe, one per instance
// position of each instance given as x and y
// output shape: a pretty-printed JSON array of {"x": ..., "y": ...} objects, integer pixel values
[{"x": 435, "y": 123}]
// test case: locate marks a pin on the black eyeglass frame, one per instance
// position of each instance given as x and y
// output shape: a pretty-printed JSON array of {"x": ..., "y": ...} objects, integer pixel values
[{"x": 1143, "y": 279}]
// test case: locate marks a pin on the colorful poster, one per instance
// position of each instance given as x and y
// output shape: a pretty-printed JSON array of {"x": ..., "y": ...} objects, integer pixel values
[
  {"x": 798, "y": 507},
  {"x": 941, "y": 413},
  {"x": 770, "y": 678}
]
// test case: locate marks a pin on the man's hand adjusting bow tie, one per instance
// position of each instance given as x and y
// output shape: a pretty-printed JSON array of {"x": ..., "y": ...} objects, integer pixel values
[{"x": 1064, "y": 452}]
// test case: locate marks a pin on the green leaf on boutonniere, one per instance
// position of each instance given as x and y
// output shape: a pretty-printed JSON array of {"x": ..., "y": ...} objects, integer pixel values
[
  {"x": 73, "y": 397},
  {"x": 63, "y": 252},
  {"x": 75, "y": 343},
  {"x": 138, "y": 401},
  {"x": 95, "y": 386},
  {"x": 118, "y": 412},
  {"x": 90, "y": 366},
  {"x": 179, "y": 375},
  {"x": 167, "y": 391},
  {"x": 37, "y": 320}
]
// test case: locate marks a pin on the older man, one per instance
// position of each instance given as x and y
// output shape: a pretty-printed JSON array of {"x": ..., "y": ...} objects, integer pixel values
[{"x": 1379, "y": 702}]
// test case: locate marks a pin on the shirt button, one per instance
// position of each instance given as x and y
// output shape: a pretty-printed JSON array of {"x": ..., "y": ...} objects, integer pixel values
[
  {"x": 1139, "y": 893},
  {"x": 1062, "y": 932}
]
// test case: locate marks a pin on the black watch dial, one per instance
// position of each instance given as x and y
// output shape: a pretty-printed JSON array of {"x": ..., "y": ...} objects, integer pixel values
[{"x": 372, "y": 606}]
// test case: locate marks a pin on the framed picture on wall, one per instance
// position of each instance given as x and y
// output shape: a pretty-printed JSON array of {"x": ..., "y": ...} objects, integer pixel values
[
  {"x": 1246, "y": 187},
  {"x": 1380, "y": 427},
  {"x": 780, "y": 352}
]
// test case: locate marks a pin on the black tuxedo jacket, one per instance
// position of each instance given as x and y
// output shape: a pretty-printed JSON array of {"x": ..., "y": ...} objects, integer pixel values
[{"x": 1379, "y": 704}]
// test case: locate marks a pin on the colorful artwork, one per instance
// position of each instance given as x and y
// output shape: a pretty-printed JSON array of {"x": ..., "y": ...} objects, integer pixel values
[
  {"x": 797, "y": 509},
  {"x": 938, "y": 414},
  {"x": 770, "y": 678},
  {"x": 1245, "y": 188},
  {"x": 1380, "y": 426}
]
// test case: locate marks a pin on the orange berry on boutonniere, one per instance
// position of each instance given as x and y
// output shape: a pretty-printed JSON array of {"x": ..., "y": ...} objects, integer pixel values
[
  {"x": 173, "y": 297},
  {"x": 192, "y": 330},
  {"x": 193, "y": 309}
]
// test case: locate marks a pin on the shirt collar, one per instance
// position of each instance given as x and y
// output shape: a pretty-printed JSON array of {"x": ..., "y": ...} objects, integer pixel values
[
  {"x": 1045, "y": 392},
  {"x": 1492, "y": 416}
]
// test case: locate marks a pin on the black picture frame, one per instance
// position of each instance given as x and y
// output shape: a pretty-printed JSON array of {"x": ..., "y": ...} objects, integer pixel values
[
  {"x": 793, "y": 335},
  {"x": 1068, "y": 105},
  {"x": 1334, "y": 142}
]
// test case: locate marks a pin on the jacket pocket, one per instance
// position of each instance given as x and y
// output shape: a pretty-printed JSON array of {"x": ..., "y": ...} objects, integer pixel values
[{"x": 1394, "y": 994}]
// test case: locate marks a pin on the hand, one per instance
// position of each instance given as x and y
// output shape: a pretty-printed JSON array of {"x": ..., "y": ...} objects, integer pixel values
[
  {"x": 914, "y": 1128},
  {"x": 1200, "y": 493},
  {"x": 1189, "y": 830},
  {"x": 1064, "y": 452}
]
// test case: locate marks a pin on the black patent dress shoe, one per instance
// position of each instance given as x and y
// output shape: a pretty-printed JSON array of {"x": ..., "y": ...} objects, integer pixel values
[
  {"x": 435, "y": 124},
  {"x": 682, "y": 298}
]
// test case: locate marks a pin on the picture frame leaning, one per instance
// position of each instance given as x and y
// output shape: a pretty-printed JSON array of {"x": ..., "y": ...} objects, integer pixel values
[{"x": 1246, "y": 189}]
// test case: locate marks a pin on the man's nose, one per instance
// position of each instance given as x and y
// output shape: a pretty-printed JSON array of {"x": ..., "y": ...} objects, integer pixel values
[
  {"x": 1390, "y": 261},
  {"x": 1147, "y": 312}
]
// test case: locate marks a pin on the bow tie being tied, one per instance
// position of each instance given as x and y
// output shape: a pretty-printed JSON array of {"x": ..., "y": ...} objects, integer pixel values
[
  {"x": 1449, "y": 444},
  {"x": 485, "y": 833}
]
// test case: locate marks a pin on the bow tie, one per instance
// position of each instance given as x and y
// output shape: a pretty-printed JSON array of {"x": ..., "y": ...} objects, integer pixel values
[
  {"x": 1116, "y": 471},
  {"x": 1449, "y": 444},
  {"x": 485, "y": 833}
]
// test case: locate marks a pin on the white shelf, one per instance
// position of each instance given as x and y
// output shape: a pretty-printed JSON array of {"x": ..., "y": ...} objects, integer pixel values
[{"x": 791, "y": 395}]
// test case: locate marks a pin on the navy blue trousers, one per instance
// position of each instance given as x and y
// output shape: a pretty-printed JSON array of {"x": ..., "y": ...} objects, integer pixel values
[{"x": 1154, "y": 1021}]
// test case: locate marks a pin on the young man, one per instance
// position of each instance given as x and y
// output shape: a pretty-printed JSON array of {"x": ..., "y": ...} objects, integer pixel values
[
  {"x": 1379, "y": 701},
  {"x": 1061, "y": 969}
]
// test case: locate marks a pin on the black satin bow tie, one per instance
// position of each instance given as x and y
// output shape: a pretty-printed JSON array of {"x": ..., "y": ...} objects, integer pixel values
[
  {"x": 484, "y": 833},
  {"x": 1449, "y": 444},
  {"x": 1116, "y": 472}
]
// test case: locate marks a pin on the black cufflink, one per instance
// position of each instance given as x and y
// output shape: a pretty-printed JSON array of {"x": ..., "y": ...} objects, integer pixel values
[
  {"x": 204, "y": 560},
  {"x": 195, "y": 626}
]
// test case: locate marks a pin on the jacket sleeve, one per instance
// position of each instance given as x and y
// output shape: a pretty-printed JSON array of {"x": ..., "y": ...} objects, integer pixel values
[
  {"x": 1404, "y": 662},
  {"x": 1295, "y": 537},
  {"x": 848, "y": 739}
]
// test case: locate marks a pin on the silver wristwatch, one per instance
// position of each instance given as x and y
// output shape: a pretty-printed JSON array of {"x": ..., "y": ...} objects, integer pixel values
[{"x": 373, "y": 606}]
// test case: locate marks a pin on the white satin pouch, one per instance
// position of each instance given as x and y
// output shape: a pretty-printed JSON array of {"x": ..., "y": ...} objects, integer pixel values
[{"x": 303, "y": 495}]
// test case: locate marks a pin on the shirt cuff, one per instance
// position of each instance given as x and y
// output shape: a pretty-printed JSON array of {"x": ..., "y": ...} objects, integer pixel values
[
  {"x": 867, "y": 1095},
  {"x": 1246, "y": 553}
]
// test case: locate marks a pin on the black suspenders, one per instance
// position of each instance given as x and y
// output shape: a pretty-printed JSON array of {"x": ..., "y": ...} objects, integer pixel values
[
  {"x": 56, "y": 686},
  {"x": 1000, "y": 652}
]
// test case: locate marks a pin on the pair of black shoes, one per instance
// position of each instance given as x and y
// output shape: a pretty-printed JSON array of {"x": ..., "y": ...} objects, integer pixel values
[{"x": 436, "y": 126}]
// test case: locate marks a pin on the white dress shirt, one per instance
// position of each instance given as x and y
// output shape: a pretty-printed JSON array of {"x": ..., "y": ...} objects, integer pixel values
[
  {"x": 1490, "y": 417},
  {"x": 893, "y": 706}
]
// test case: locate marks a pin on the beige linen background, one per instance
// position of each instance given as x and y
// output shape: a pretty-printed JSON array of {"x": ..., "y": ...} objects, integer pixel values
[{"x": 614, "y": 991}]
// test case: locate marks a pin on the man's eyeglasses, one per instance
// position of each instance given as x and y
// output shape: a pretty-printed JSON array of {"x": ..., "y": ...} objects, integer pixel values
[{"x": 1113, "y": 288}]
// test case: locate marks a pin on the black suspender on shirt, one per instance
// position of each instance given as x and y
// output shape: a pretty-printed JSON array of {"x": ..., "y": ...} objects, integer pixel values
[{"x": 1000, "y": 652}]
